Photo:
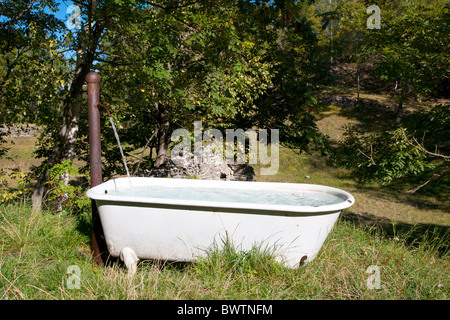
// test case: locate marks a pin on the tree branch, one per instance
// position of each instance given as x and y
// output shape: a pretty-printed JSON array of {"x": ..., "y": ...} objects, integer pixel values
[
  {"x": 436, "y": 176},
  {"x": 422, "y": 148},
  {"x": 173, "y": 7},
  {"x": 111, "y": 62},
  {"x": 169, "y": 9},
  {"x": 371, "y": 155},
  {"x": 143, "y": 150},
  {"x": 16, "y": 18}
]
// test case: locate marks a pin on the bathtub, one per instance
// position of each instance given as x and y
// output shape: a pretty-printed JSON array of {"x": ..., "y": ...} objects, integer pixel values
[{"x": 169, "y": 223}]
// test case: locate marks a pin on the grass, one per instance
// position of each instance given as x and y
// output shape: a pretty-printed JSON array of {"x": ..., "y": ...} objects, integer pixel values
[
  {"x": 20, "y": 154},
  {"x": 37, "y": 250},
  {"x": 404, "y": 236},
  {"x": 374, "y": 203}
]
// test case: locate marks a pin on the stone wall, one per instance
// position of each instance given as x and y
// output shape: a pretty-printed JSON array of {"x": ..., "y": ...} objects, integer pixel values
[
  {"x": 210, "y": 167},
  {"x": 20, "y": 131}
]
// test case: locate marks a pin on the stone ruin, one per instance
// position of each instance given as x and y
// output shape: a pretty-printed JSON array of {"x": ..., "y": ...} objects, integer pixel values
[{"x": 211, "y": 166}]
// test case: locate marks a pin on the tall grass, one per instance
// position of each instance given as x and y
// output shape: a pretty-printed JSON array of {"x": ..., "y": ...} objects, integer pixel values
[{"x": 36, "y": 251}]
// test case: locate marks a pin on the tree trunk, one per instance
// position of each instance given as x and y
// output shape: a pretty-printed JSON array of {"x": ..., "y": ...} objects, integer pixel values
[
  {"x": 358, "y": 84},
  {"x": 162, "y": 136},
  {"x": 399, "y": 112},
  {"x": 163, "y": 144},
  {"x": 64, "y": 148}
]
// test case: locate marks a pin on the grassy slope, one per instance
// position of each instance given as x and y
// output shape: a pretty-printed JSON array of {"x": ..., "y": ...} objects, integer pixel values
[
  {"x": 36, "y": 250},
  {"x": 373, "y": 202},
  {"x": 387, "y": 204}
]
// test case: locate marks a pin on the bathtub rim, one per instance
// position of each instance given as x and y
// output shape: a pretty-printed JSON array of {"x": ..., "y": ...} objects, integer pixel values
[{"x": 98, "y": 193}]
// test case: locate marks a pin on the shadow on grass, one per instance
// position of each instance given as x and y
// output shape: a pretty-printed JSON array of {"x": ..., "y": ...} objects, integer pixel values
[
  {"x": 151, "y": 263},
  {"x": 430, "y": 236},
  {"x": 432, "y": 196},
  {"x": 373, "y": 120}
]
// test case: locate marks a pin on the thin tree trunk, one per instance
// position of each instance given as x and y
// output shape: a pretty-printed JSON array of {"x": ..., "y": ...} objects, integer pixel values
[
  {"x": 163, "y": 144},
  {"x": 162, "y": 136},
  {"x": 358, "y": 84},
  {"x": 399, "y": 112},
  {"x": 406, "y": 92},
  {"x": 64, "y": 148}
]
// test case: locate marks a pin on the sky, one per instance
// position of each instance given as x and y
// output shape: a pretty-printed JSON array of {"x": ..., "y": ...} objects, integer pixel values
[
  {"x": 62, "y": 12},
  {"x": 63, "y": 15}
]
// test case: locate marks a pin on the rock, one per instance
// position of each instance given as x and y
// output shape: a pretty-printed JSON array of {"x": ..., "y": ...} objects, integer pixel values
[
  {"x": 20, "y": 130},
  {"x": 210, "y": 166}
]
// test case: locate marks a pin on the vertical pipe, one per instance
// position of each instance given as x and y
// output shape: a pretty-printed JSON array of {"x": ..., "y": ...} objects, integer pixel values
[{"x": 93, "y": 88}]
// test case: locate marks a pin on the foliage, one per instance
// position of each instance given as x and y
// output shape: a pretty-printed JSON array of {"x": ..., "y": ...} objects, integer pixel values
[
  {"x": 420, "y": 145},
  {"x": 431, "y": 127},
  {"x": 21, "y": 185},
  {"x": 178, "y": 66},
  {"x": 30, "y": 67},
  {"x": 413, "y": 46},
  {"x": 164, "y": 65},
  {"x": 34, "y": 74},
  {"x": 409, "y": 55},
  {"x": 3, "y": 150},
  {"x": 69, "y": 197},
  {"x": 382, "y": 157},
  {"x": 409, "y": 52},
  {"x": 287, "y": 39}
]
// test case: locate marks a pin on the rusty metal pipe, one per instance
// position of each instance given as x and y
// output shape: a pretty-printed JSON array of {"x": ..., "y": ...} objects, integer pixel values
[
  {"x": 99, "y": 250},
  {"x": 106, "y": 108},
  {"x": 95, "y": 157}
]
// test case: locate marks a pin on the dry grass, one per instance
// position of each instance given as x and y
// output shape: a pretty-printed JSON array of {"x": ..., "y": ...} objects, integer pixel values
[{"x": 20, "y": 154}]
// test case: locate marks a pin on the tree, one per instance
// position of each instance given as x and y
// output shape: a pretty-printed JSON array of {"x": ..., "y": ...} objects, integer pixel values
[
  {"x": 410, "y": 55},
  {"x": 29, "y": 63},
  {"x": 179, "y": 39},
  {"x": 253, "y": 65},
  {"x": 166, "y": 63},
  {"x": 420, "y": 145},
  {"x": 58, "y": 142},
  {"x": 350, "y": 34},
  {"x": 411, "y": 49},
  {"x": 180, "y": 63},
  {"x": 285, "y": 37},
  {"x": 31, "y": 70}
]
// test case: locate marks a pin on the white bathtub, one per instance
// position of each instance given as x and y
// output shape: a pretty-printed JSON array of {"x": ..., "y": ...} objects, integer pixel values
[{"x": 178, "y": 229}]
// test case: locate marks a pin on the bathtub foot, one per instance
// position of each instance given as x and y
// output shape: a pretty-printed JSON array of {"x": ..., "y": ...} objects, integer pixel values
[
  {"x": 302, "y": 261},
  {"x": 130, "y": 259}
]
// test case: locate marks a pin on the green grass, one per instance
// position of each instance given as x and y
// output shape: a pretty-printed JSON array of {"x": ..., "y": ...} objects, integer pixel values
[
  {"x": 374, "y": 203},
  {"x": 404, "y": 235},
  {"x": 36, "y": 251}
]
